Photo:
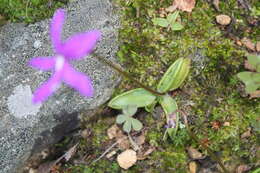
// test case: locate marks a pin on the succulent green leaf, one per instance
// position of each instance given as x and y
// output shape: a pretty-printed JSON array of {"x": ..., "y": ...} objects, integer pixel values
[
  {"x": 120, "y": 119},
  {"x": 175, "y": 75},
  {"x": 160, "y": 21},
  {"x": 127, "y": 125},
  {"x": 129, "y": 110},
  {"x": 171, "y": 18},
  {"x": 176, "y": 26},
  {"x": 136, "y": 124},
  {"x": 137, "y": 97},
  {"x": 169, "y": 105},
  {"x": 254, "y": 60},
  {"x": 251, "y": 80}
]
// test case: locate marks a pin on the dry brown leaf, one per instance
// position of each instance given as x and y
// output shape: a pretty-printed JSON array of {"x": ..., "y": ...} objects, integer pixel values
[
  {"x": 246, "y": 134},
  {"x": 242, "y": 168},
  {"x": 223, "y": 19},
  {"x": 248, "y": 43},
  {"x": 123, "y": 143},
  {"x": 193, "y": 167},
  {"x": 127, "y": 159},
  {"x": 257, "y": 46},
  {"x": 114, "y": 132},
  {"x": 140, "y": 139},
  {"x": 142, "y": 156},
  {"x": 216, "y": 4},
  {"x": 45, "y": 167},
  {"x": 255, "y": 94},
  {"x": 194, "y": 154},
  {"x": 184, "y": 5}
]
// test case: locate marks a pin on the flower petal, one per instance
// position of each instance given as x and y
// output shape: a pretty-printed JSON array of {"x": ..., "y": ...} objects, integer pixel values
[
  {"x": 42, "y": 63},
  {"x": 56, "y": 29},
  {"x": 77, "y": 80},
  {"x": 80, "y": 44},
  {"x": 47, "y": 88}
]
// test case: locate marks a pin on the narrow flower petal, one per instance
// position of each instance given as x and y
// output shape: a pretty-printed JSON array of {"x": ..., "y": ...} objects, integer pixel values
[
  {"x": 80, "y": 44},
  {"x": 77, "y": 80},
  {"x": 56, "y": 29},
  {"x": 42, "y": 63},
  {"x": 46, "y": 89}
]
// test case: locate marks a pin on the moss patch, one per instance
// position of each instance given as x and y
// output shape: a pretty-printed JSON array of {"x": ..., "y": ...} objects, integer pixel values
[{"x": 29, "y": 11}]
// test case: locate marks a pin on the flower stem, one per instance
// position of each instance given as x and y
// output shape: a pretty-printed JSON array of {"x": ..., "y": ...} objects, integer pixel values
[
  {"x": 125, "y": 74},
  {"x": 195, "y": 138}
]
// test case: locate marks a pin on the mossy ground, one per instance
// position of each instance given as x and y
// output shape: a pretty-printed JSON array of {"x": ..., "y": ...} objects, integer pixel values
[
  {"x": 29, "y": 11},
  {"x": 212, "y": 94}
]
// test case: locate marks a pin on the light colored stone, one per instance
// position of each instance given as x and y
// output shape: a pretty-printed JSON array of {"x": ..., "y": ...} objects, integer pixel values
[
  {"x": 27, "y": 129},
  {"x": 223, "y": 19}
]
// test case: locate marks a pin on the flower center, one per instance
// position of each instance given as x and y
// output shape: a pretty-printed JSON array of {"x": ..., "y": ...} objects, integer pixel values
[{"x": 59, "y": 62}]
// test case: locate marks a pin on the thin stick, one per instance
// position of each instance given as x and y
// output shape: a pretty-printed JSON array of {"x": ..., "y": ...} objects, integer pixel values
[
  {"x": 105, "y": 152},
  {"x": 194, "y": 137},
  {"x": 125, "y": 74}
]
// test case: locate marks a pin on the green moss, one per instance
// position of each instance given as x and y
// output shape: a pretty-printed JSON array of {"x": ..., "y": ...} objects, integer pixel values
[{"x": 29, "y": 11}]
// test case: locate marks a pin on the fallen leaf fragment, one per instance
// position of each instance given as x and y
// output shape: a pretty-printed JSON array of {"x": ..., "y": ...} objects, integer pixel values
[
  {"x": 123, "y": 142},
  {"x": 249, "y": 66},
  {"x": 142, "y": 156},
  {"x": 85, "y": 133},
  {"x": 193, "y": 167},
  {"x": 140, "y": 139},
  {"x": 223, "y": 19},
  {"x": 184, "y": 5},
  {"x": 127, "y": 159},
  {"x": 257, "y": 46},
  {"x": 246, "y": 134},
  {"x": 70, "y": 152},
  {"x": 226, "y": 124},
  {"x": 255, "y": 94},
  {"x": 216, "y": 4},
  {"x": 114, "y": 132},
  {"x": 248, "y": 43},
  {"x": 194, "y": 154},
  {"x": 242, "y": 169}
]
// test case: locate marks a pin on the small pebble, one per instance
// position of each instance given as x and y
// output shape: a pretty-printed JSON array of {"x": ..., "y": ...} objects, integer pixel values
[{"x": 223, "y": 19}]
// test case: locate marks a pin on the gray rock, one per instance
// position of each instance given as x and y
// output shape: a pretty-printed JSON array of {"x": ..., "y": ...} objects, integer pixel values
[{"x": 26, "y": 129}]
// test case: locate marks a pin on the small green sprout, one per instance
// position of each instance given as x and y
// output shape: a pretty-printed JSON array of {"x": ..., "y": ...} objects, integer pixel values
[
  {"x": 169, "y": 22},
  {"x": 128, "y": 120}
]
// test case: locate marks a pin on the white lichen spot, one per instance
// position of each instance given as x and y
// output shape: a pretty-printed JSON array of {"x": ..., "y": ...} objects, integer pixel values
[
  {"x": 20, "y": 102},
  {"x": 59, "y": 63}
]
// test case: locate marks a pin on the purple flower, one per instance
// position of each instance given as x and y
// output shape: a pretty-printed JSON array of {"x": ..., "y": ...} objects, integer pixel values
[{"x": 74, "y": 48}]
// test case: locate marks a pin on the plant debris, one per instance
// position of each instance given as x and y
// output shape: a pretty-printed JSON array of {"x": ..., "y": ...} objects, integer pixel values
[
  {"x": 223, "y": 19},
  {"x": 127, "y": 159},
  {"x": 184, "y": 5}
]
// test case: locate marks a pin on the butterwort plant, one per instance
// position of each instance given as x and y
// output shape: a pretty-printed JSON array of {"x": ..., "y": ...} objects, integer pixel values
[{"x": 74, "y": 48}]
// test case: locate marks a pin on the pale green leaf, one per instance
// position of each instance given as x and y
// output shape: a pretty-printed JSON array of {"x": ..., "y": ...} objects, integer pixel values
[
  {"x": 120, "y": 119},
  {"x": 130, "y": 110},
  {"x": 175, "y": 75},
  {"x": 169, "y": 105},
  {"x": 136, "y": 124},
  {"x": 251, "y": 80},
  {"x": 176, "y": 26},
  {"x": 171, "y": 18},
  {"x": 150, "y": 108},
  {"x": 127, "y": 126},
  {"x": 137, "y": 97},
  {"x": 254, "y": 60},
  {"x": 160, "y": 21}
]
